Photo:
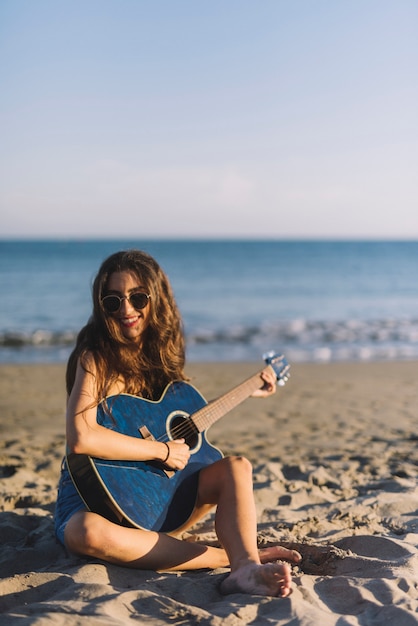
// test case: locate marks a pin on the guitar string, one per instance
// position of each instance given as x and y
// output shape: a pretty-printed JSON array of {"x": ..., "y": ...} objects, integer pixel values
[
  {"x": 183, "y": 430},
  {"x": 188, "y": 427}
]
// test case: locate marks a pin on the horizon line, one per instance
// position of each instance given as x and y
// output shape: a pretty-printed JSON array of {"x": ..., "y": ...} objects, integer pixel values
[{"x": 206, "y": 238}]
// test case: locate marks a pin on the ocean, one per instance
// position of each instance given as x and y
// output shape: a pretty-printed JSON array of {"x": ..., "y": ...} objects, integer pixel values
[{"x": 319, "y": 301}]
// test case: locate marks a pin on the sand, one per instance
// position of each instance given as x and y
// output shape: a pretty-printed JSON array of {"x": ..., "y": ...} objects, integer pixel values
[{"x": 335, "y": 472}]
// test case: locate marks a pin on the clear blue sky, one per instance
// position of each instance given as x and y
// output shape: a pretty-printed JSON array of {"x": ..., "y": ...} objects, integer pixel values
[{"x": 233, "y": 118}]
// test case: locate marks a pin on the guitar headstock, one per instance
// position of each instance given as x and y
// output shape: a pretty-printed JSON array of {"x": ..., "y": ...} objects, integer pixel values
[{"x": 280, "y": 366}]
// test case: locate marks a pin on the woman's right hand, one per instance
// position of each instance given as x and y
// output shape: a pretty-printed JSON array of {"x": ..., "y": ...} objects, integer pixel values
[{"x": 178, "y": 454}]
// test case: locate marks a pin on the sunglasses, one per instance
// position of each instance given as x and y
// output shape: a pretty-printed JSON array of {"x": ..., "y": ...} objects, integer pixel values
[{"x": 138, "y": 300}]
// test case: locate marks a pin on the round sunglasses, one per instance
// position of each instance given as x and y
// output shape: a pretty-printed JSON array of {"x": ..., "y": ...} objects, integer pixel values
[{"x": 138, "y": 300}]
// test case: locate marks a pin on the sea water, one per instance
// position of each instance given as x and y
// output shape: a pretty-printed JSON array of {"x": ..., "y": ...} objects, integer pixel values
[{"x": 311, "y": 300}]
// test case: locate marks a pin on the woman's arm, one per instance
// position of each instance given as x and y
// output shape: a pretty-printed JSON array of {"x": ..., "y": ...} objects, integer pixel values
[{"x": 86, "y": 436}]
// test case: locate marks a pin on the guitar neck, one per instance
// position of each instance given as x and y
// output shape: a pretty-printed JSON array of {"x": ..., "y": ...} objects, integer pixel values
[{"x": 212, "y": 412}]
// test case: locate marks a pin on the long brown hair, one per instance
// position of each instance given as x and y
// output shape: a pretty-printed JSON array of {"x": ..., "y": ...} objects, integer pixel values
[{"x": 147, "y": 368}]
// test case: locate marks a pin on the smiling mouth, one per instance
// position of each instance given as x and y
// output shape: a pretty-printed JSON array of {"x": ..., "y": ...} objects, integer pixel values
[{"x": 128, "y": 322}]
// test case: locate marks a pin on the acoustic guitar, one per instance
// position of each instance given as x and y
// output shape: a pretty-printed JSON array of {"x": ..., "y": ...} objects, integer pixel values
[{"x": 148, "y": 495}]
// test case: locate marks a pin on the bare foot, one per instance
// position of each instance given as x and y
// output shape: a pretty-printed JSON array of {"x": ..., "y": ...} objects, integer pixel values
[
  {"x": 269, "y": 579},
  {"x": 279, "y": 553}
]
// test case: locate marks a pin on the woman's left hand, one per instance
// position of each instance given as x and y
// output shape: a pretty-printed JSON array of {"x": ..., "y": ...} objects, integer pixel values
[{"x": 269, "y": 378}]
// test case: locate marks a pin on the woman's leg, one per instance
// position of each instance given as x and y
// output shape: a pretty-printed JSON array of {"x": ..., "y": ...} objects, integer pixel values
[
  {"x": 92, "y": 535},
  {"x": 228, "y": 484}
]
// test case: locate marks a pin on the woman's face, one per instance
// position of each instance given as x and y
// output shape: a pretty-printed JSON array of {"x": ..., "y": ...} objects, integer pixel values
[{"x": 132, "y": 322}]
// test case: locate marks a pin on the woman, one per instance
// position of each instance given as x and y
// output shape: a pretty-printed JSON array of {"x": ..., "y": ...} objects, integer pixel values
[{"x": 133, "y": 343}]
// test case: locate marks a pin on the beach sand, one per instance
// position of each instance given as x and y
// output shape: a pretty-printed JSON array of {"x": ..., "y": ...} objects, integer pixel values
[{"x": 335, "y": 471}]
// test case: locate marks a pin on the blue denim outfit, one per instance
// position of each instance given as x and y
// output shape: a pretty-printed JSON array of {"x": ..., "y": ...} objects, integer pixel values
[{"x": 68, "y": 502}]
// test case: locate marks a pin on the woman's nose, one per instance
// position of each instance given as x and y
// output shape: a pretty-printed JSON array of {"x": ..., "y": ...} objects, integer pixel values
[{"x": 125, "y": 305}]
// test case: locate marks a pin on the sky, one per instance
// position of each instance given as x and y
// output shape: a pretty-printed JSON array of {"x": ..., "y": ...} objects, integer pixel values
[{"x": 220, "y": 119}]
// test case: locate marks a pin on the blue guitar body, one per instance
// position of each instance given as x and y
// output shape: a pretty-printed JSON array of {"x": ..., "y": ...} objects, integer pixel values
[
  {"x": 144, "y": 494},
  {"x": 147, "y": 494}
]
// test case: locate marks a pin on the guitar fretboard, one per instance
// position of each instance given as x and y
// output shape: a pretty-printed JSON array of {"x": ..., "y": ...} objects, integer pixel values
[{"x": 212, "y": 412}]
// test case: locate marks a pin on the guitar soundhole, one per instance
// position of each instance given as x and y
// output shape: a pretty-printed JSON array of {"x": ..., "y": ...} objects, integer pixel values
[{"x": 183, "y": 427}]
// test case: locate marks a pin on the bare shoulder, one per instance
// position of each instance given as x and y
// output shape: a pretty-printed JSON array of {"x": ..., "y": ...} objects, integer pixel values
[
  {"x": 87, "y": 362},
  {"x": 83, "y": 397},
  {"x": 89, "y": 377},
  {"x": 86, "y": 374}
]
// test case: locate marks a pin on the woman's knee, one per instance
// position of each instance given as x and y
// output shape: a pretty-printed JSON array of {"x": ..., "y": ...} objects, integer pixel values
[
  {"x": 224, "y": 474},
  {"x": 85, "y": 533},
  {"x": 239, "y": 465}
]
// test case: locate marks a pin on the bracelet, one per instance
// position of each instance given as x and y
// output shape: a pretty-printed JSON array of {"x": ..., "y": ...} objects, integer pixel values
[{"x": 168, "y": 451}]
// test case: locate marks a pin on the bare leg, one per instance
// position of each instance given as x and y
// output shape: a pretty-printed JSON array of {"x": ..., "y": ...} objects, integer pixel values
[
  {"x": 92, "y": 535},
  {"x": 228, "y": 483}
]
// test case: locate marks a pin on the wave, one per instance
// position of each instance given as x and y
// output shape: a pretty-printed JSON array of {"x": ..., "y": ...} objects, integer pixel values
[
  {"x": 314, "y": 340},
  {"x": 302, "y": 332},
  {"x": 300, "y": 339},
  {"x": 16, "y": 339}
]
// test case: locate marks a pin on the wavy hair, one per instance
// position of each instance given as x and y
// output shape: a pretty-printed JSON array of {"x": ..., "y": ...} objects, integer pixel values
[{"x": 160, "y": 357}]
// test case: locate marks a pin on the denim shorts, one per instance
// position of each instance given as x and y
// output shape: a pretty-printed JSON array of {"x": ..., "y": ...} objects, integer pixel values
[{"x": 68, "y": 502}]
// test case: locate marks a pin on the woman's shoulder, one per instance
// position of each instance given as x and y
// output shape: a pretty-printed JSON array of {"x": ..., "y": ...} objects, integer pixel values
[
  {"x": 87, "y": 360},
  {"x": 106, "y": 382},
  {"x": 80, "y": 363},
  {"x": 85, "y": 365}
]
